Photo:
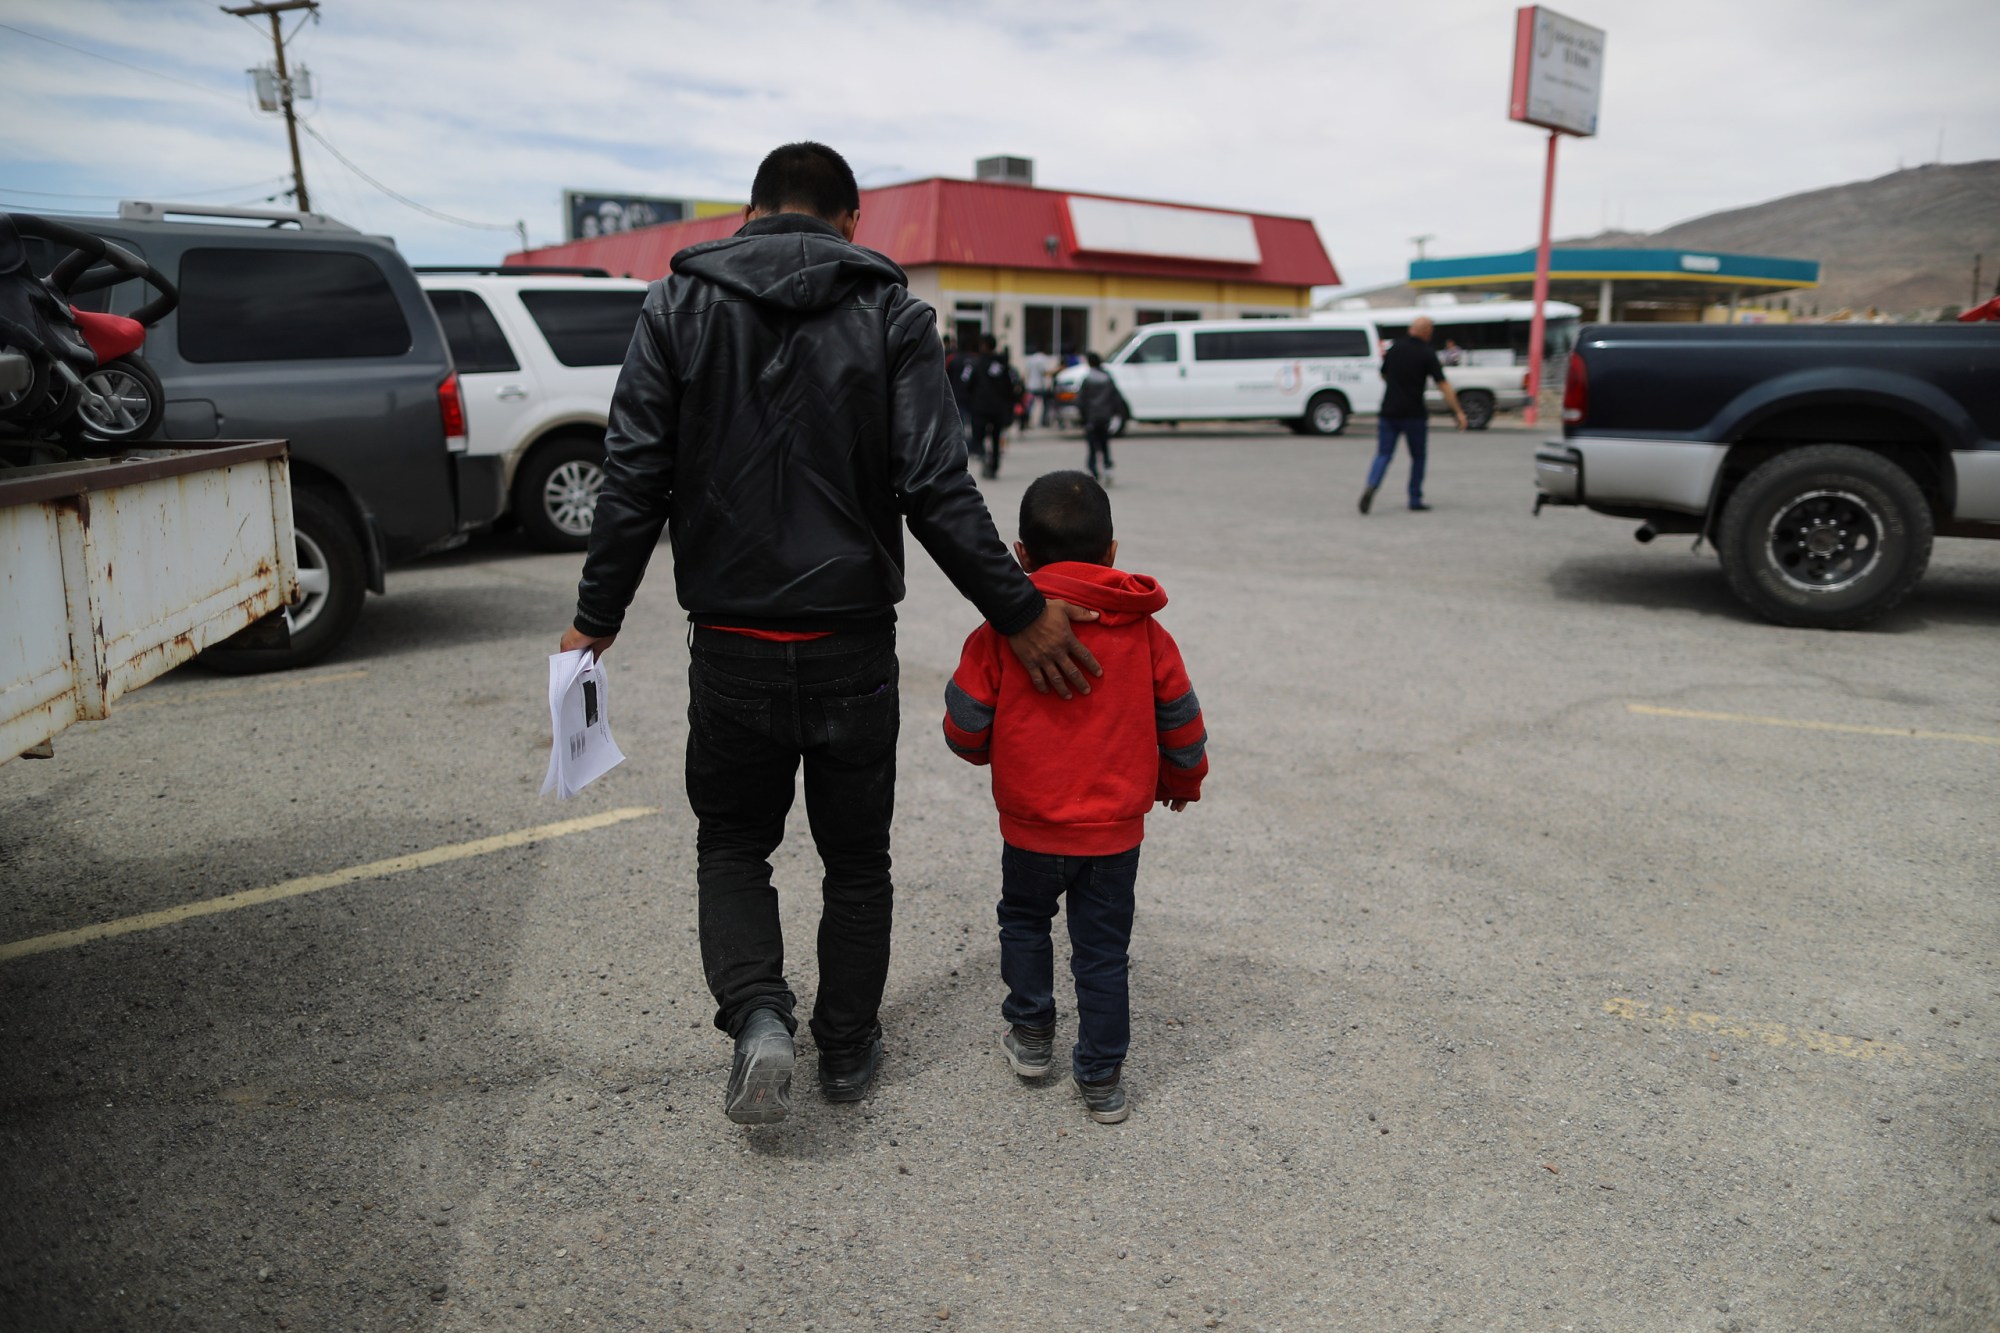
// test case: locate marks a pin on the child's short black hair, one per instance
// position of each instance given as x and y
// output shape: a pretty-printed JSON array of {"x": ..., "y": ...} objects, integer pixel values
[{"x": 1066, "y": 516}]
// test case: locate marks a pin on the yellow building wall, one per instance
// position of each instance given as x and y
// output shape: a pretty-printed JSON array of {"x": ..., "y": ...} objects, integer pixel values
[{"x": 1113, "y": 300}]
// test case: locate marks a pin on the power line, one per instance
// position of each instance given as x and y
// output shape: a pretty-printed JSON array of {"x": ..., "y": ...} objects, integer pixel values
[
  {"x": 113, "y": 60},
  {"x": 402, "y": 199},
  {"x": 162, "y": 194}
]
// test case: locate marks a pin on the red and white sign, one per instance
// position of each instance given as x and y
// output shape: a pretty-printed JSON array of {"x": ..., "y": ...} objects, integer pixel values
[{"x": 1558, "y": 71}]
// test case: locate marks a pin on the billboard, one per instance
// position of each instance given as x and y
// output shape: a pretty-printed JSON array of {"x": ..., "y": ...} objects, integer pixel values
[
  {"x": 587, "y": 214},
  {"x": 1558, "y": 71}
]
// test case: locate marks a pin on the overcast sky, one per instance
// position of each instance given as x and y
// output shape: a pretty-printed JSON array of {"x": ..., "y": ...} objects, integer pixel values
[{"x": 1378, "y": 121}]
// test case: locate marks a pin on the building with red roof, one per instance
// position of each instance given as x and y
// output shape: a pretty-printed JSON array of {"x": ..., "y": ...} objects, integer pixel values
[{"x": 1042, "y": 270}]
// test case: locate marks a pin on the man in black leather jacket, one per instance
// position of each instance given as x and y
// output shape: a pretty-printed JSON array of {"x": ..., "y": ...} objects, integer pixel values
[{"x": 783, "y": 411}]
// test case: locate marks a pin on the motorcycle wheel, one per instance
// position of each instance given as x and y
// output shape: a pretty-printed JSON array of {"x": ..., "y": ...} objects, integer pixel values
[{"x": 123, "y": 401}]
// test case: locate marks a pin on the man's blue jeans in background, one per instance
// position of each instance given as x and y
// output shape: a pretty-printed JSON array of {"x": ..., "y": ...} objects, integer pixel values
[
  {"x": 1417, "y": 431},
  {"x": 1100, "y": 892}
]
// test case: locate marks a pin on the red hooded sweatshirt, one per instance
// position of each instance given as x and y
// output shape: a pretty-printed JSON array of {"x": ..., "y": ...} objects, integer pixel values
[{"x": 1075, "y": 777}]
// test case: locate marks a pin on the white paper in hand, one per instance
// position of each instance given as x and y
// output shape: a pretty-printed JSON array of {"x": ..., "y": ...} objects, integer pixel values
[{"x": 580, "y": 716}]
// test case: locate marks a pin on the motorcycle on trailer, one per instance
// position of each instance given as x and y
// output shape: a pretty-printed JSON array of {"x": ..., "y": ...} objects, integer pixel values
[{"x": 73, "y": 382}]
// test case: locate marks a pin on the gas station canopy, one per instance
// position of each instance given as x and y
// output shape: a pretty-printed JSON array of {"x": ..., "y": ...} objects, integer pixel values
[{"x": 1608, "y": 280}]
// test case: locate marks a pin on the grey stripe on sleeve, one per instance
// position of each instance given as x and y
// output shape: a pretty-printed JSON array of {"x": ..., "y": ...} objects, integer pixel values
[
  {"x": 1176, "y": 713},
  {"x": 967, "y": 712},
  {"x": 1187, "y": 756},
  {"x": 966, "y": 750}
]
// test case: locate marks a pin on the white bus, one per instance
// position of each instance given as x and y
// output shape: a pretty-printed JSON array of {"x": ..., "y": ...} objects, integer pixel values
[{"x": 1484, "y": 347}]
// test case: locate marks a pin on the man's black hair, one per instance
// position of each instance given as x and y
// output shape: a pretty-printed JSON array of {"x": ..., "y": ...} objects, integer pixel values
[
  {"x": 988, "y": 343},
  {"x": 1066, "y": 516},
  {"x": 1094, "y": 359},
  {"x": 805, "y": 177}
]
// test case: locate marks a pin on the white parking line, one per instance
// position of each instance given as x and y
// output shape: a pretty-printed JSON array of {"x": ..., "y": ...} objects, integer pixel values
[
  {"x": 1853, "y": 728},
  {"x": 294, "y": 888}
]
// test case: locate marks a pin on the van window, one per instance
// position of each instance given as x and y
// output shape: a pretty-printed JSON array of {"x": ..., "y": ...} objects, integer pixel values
[
  {"x": 251, "y": 304},
  {"x": 1158, "y": 348},
  {"x": 586, "y": 328},
  {"x": 477, "y": 344},
  {"x": 1279, "y": 344}
]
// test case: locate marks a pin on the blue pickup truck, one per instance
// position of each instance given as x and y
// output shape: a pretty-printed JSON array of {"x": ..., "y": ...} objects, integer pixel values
[{"x": 1820, "y": 460}]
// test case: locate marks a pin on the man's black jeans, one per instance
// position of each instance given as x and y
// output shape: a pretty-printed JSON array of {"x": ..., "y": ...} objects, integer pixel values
[
  {"x": 755, "y": 710},
  {"x": 1100, "y": 890}
]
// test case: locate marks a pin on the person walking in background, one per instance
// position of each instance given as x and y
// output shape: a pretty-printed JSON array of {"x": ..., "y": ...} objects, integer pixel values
[
  {"x": 1406, "y": 367},
  {"x": 1040, "y": 369},
  {"x": 782, "y": 413},
  {"x": 961, "y": 364},
  {"x": 1073, "y": 785},
  {"x": 992, "y": 402},
  {"x": 1101, "y": 405}
]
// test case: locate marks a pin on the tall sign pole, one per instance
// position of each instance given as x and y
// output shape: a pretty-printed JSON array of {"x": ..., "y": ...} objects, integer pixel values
[
  {"x": 1558, "y": 77},
  {"x": 1538, "y": 326},
  {"x": 273, "y": 9}
]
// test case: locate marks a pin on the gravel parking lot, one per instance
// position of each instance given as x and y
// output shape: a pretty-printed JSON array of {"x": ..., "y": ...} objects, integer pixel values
[{"x": 1557, "y": 947}]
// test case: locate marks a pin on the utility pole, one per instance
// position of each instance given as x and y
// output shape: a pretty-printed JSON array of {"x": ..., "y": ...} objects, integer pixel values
[
  {"x": 274, "y": 8},
  {"x": 1420, "y": 242}
]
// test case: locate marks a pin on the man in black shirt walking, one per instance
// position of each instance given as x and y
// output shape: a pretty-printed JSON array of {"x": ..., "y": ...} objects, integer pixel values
[{"x": 1405, "y": 367}]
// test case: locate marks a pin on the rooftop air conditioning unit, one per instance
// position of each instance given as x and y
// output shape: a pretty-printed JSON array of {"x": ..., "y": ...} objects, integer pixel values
[{"x": 1006, "y": 170}]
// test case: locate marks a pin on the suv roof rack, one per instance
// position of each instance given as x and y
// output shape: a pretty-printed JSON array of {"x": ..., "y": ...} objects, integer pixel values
[
  {"x": 517, "y": 270},
  {"x": 145, "y": 210}
]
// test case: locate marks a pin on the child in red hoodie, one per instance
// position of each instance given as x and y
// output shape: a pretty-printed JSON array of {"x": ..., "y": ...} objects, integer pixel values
[{"x": 1074, "y": 779}]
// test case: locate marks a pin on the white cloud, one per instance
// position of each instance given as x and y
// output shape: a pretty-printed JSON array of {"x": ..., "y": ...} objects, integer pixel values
[{"x": 1378, "y": 122}]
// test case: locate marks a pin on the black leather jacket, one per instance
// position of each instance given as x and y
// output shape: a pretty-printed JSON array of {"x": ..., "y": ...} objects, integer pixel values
[{"x": 783, "y": 409}]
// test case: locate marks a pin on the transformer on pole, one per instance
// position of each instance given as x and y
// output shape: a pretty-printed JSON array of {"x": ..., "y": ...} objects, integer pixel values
[{"x": 276, "y": 87}]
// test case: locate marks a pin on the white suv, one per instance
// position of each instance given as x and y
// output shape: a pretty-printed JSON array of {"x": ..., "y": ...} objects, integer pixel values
[{"x": 537, "y": 352}]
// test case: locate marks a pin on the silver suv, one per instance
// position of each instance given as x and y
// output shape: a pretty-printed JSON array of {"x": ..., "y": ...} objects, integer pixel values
[{"x": 538, "y": 352}]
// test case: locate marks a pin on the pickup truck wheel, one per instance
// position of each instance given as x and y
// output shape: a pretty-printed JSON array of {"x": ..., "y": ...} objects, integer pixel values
[
  {"x": 333, "y": 577},
  {"x": 1326, "y": 414},
  {"x": 555, "y": 492},
  {"x": 1478, "y": 407},
  {"x": 1826, "y": 537}
]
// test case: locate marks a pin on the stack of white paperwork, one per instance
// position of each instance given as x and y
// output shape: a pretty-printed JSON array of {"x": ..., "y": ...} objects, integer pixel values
[{"x": 580, "y": 714}]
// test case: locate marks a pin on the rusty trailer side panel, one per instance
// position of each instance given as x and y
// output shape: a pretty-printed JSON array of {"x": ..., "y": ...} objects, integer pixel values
[{"x": 113, "y": 573}]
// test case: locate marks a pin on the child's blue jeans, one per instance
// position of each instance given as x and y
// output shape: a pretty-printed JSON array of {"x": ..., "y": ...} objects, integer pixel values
[{"x": 1100, "y": 890}]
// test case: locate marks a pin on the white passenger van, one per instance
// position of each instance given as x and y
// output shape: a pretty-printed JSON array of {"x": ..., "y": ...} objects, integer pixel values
[{"x": 1311, "y": 374}]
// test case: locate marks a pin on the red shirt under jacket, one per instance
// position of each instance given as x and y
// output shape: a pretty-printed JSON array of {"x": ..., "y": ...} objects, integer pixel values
[{"x": 1075, "y": 777}]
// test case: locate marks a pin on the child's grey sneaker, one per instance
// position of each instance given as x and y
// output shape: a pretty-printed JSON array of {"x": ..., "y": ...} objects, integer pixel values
[
  {"x": 1105, "y": 1100},
  {"x": 760, "y": 1081},
  {"x": 1029, "y": 1050}
]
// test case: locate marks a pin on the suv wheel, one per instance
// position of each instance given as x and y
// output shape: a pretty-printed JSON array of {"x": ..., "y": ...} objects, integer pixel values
[
  {"x": 333, "y": 576},
  {"x": 1477, "y": 405},
  {"x": 1826, "y": 537},
  {"x": 1326, "y": 415},
  {"x": 555, "y": 492}
]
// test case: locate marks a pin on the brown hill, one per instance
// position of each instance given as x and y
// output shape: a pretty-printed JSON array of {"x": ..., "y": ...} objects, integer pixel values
[{"x": 1901, "y": 243}]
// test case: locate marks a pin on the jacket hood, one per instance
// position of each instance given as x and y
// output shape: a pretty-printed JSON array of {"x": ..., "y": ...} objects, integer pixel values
[
  {"x": 788, "y": 260},
  {"x": 1118, "y": 597}
]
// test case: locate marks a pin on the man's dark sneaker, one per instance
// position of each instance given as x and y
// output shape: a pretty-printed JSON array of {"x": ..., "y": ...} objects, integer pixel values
[
  {"x": 1418, "y": 506},
  {"x": 1029, "y": 1050},
  {"x": 760, "y": 1082},
  {"x": 844, "y": 1076},
  {"x": 1106, "y": 1100},
  {"x": 1367, "y": 498}
]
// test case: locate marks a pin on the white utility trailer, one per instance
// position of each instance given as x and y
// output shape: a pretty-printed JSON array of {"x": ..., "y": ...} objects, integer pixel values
[{"x": 115, "y": 571}]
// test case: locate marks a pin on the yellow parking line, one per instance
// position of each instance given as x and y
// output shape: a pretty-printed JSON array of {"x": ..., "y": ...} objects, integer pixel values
[
  {"x": 1906, "y": 733},
  {"x": 230, "y": 691},
  {"x": 1765, "y": 1032},
  {"x": 293, "y": 888}
]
